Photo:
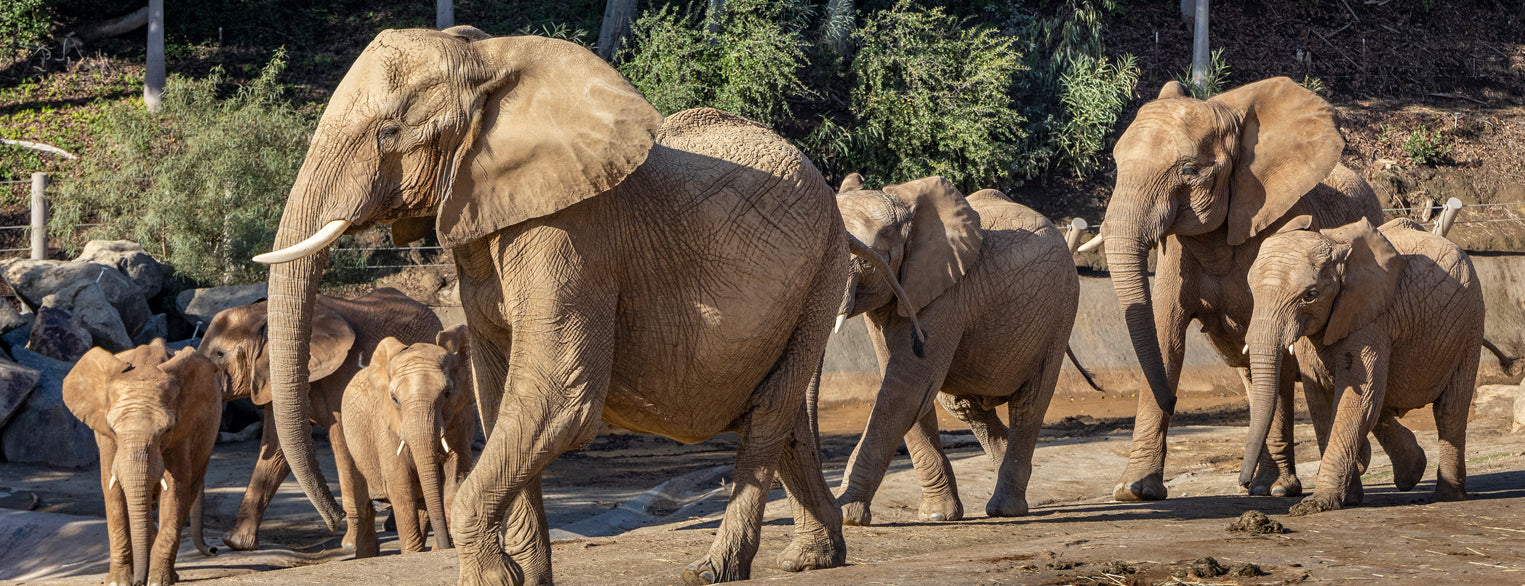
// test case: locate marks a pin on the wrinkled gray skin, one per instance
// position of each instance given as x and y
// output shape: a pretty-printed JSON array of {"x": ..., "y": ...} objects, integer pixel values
[
  {"x": 1383, "y": 323},
  {"x": 676, "y": 277},
  {"x": 996, "y": 333},
  {"x": 1206, "y": 181}
]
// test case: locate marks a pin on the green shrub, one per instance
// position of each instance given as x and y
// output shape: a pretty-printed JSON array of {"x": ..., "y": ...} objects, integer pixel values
[
  {"x": 201, "y": 184},
  {"x": 1094, "y": 91},
  {"x": 746, "y": 62},
  {"x": 23, "y": 24},
  {"x": 1426, "y": 147},
  {"x": 931, "y": 96},
  {"x": 1214, "y": 79}
]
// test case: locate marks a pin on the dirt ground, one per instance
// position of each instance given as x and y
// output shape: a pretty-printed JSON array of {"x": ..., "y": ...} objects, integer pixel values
[{"x": 1075, "y": 534}]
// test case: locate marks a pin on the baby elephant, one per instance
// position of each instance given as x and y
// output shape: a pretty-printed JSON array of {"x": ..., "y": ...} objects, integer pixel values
[
  {"x": 1392, "y": 320},
  {"x": 408, "y": 419},
  {"x": 996, "y": 288},
  {"x": 155, "y": 419}
]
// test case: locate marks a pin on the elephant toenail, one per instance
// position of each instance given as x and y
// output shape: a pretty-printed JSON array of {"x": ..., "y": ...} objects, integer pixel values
[
  {"x": 936, "y": 517},
  {"x": 708, "y": 577},
  {"x": 788, "y": 566}
]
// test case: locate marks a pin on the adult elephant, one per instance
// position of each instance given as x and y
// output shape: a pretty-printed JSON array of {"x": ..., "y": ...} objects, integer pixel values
[
  {"x": 674, "y": 277},
  {"x": 1206, "y": 181},
  {"x": 344, "y": 333}
]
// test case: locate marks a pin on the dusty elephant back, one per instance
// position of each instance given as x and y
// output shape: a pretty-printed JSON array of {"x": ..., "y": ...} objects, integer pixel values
[
  {"x": 374, "y": 316},
  {"x": 724, "y": 230},
  {"x": 1437, "y": 314}
]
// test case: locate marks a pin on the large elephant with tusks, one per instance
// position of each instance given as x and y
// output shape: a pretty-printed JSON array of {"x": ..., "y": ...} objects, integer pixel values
[{"x": 676, "y": 277}]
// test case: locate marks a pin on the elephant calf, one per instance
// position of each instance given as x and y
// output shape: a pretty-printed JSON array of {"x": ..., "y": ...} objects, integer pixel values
[
  {"x": 1384, "y": 320},
  {"x": 996, "y": 287},
  {"x": 155, "y": 419},
  {"x": 409, "y": 416}
]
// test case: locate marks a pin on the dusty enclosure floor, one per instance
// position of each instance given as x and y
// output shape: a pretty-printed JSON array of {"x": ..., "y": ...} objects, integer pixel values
[{"x": 1075, "y": 534}]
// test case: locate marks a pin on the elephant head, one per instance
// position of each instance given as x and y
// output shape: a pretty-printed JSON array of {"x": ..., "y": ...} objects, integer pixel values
[
  {"x": 1323, "y": 285},
  {"x": 912, "y": 242},
  {"x": 1239, "y": 160},
  {"x": 427, "y": 386},
  {"x": 481, "y": 133},
  {"x": 137, "y": 399},
  {"x": 237, "y": 344}
]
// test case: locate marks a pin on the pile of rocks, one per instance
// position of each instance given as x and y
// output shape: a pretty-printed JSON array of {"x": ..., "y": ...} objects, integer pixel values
[{"x": 102, "y": 298}]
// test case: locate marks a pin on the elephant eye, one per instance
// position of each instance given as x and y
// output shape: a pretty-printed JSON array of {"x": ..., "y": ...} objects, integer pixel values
[
  {"x": 395, "y": 402},
  {"x": 388, "y": 132},
  {"x": 1310, "y": 295},
  {"x": 1189, "y": 169}
]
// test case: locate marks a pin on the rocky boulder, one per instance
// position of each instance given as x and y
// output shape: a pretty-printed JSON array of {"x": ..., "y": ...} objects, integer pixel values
[
  {"x": 129, "y": 258},
  {"x": 16, "y": 384},
  {"x": 200, "y": 305},
  {"x": 87, "y": 304},
  {"x": 157, "y": 327},
  {"x": 43, "y": 431},
  {"x": 55, "y": 335},
  {"x": 11, "y": 319},
  {"x": 36, "y": 279}
]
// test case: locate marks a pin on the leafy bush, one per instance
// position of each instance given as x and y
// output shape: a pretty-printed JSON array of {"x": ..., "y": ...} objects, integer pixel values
[
  {"x": 1094, "y": 92},
  {"x": 201, "y": 184},
  {"x": 1214, "y": 79},
  {"x": 24, "y": 24},
  {"x": 1426, "y": 147},
  {"x": 745, "y": 61},
  {"x": 931, "y": 96}
]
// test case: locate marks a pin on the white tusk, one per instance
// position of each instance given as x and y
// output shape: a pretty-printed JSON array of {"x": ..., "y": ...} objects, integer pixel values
[
  {"x": 163, "y": 485},
  {"x": 1290, "y": 350},
  {"x": 840, "y": 320},
  {"x": 330, "y": 232},
  {"x": 1091, "y": 244},
  {"x": 1246, "y": 350},
  {"x": 445, "y": 445},
  {"x": 112, "y": 483},
  {"x": 400, "y": 446}
]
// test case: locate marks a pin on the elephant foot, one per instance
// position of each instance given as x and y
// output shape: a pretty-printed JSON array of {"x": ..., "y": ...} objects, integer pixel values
[
  {"x": 487, "y": 567},
  {"x": 1446, "y": 492},
  {"x": 120, "y": 577},
  {"x": 1314, "y": 504},
  {"x": 937, "y": 510},
  {"x": 1148, "y": 488},
  {"x": 711, "y": 571},
  {"x": 1006, "y": 505},
  {"x": 856, "y": 513},
  {"x": 1283, "y": 486},
  {"x": 242, "y": 539},
  {"x": 1408, "y": 469},
  {"x": 157, "y": 577},
  {"x": 807, "y": 553}
]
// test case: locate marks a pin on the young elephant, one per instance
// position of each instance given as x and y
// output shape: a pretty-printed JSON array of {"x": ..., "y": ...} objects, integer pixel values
[
  {"x": 1391, "y": 320},
  {"x": 996, "y": 288},
  {"x": 155, "y": 419},
  {"x": 409, "y": 421}
]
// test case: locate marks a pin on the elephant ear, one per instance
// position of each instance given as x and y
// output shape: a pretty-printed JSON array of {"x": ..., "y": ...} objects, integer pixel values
[
  {"x": 1299, "y": 222},
  {"x": 945, "y": 239},
  {"x": 1372, "y": 270},
  {"x": 554, "y": 125},
  {"x": 85, "y": 391},
  {"x": 456, "y": 340},
  {"x": 1172, "y": 89},
  {"x": 197, "y": 377},
  {"x": 378, "y": 375},
  {"x": 853, "y": 182},
  {"x": 332, "y": 338},
  {"x": 1288, "y": 143}
]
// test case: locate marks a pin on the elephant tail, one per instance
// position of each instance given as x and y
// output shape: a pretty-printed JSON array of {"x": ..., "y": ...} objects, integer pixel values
[
  {"x": 1069, "y": 351},
  {"x": 1506, "y": 361},
  {"x": 196, "y": 528}
]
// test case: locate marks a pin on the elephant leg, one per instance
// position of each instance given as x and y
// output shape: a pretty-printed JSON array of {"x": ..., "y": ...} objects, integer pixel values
[
  {"x": 527, "y": 537},
  {"x": 174, "y": 507},
  {"x": 1276, "y": 472},
  {"x": 1360, "y": 405},
  {"x": 1402, "y": 450},
  {"x": 939, "y": 490},
  {"x": 817, "y": 542},
  {"x": 1144, "y": 478},
  {"x": 985, "y": 424},
  {"x": 908, "y": 388},
  {"x": 269, "y": 471},
  {"x": 1320, "y": 396},
  {"x": 1450, "y": 411},
  {"x": 1025, "y": 411},
  {"x": 349, "y": 477},
  {"x": 358, "y": 511}
]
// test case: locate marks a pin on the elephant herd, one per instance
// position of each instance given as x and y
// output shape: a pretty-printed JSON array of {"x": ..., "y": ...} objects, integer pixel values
[{"x": 679, "y": 276}]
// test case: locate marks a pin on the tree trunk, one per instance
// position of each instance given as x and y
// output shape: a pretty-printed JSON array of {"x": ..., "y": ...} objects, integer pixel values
[
  {"x": 1199, "y": 52},
  {"x": 611, "y": 36},
  {"x": 112, "y": 27},
  {"x": 153, "y": 83}
]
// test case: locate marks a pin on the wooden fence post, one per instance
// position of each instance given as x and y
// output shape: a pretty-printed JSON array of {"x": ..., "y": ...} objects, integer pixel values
[
  {"x": 1072, "y": 237},
  {"x": 1447, "y": 216},
  {"x": 39, "y": 217}
]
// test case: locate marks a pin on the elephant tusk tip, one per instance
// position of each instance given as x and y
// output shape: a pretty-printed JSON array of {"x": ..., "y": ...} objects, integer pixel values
[
  {"x": 1246, "y": 350},
  {"x": 841, "y": 318},
  {"x": 112, "y": 483},
  {"x": 400, "y": 446},
  {"x": 163, "y": 484},
  {"x": 318, "y": 241},
  {"x": 1091, "y": 244},
  {"x": 444, "y": 444},
  {"x": 1290, "y": 349}
]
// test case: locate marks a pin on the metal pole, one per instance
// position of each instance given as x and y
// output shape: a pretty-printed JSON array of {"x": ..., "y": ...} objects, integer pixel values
[
  {"x": 153, "y": 79},
  {"x": 39, "y": 217},
  {"x": 1447, "y": 216},
  {"x": 1199, "y": 53},
  {"x": 444, "y": 14}
]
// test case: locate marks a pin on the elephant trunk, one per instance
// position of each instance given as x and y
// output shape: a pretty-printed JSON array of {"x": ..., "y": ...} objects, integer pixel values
[
  {"x": 420, "y": 425},
  {"x": 1265, "y": 373},
  {"x": 863, "y": 251},
  {"x": 138, "y": 469},
  {"x": 1127, "y": 260}
]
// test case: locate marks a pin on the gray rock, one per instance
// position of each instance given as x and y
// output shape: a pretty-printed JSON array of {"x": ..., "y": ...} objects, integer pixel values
[
  {"x": 16, "y": 384},
  {"x": 157, "y": 327},
  {"x": 202, "y": 304},
  {"x": 10, "y": 319},
  {"x": 56, "y": 336},
  {"x": 35, "y": 279},
  {"x": 43, "y": 431},
  {"x": 87, "y": 304},
  {"x": 129, "y": 258}
]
